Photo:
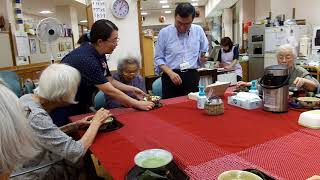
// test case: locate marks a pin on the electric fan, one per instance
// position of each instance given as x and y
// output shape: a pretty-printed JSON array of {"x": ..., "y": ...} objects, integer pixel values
[{"x": 48, "y": 31}]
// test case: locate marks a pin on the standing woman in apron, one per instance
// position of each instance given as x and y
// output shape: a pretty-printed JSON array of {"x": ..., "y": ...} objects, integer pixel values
[{"x": 228, "y": 57}]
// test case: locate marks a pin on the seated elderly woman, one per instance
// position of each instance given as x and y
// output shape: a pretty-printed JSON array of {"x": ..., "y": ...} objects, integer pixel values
[
  {"x": 299, "y": 77},
  {"x": 58, "y": 85},
  {"x": 127, "y": 73},
  {"x": 16, "y": 138}
]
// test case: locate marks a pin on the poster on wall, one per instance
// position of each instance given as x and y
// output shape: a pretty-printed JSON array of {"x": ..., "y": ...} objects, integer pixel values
[
  {"x": 43, "y": 47},
  {"x": 22, "y": 42},
  {"x": 99, "y": 10},
  {"x": 33, "y": 46}
]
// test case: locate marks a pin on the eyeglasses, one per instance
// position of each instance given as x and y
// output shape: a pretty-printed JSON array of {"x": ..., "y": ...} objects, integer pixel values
[
  {"x": 114, "y": 40},
  {"x": 130, "y": 73}
]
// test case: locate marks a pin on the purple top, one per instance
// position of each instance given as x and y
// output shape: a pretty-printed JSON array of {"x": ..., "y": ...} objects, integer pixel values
[{"x": 136, "y": 82}]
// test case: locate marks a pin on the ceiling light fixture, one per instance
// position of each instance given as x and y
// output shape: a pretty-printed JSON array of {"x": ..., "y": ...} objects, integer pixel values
[
  {"x": 165, "y": 6},
  {"x": 194, "y": 0},
  {"x": 45, "y": 12},
  {"x": 163, "y": 2},
  {"x": 84, "y": 21},
  {"x": 144, "y": 13},
  {"x": 194, "y": 4},
  {"x": 167, "y": 12}
]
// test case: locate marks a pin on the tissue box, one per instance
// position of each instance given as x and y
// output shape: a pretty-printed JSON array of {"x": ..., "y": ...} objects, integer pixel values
[{"x": 244, "y": 103}]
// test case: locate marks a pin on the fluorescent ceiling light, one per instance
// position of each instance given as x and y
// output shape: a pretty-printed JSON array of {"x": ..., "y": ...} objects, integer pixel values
[
  {"x": 194, "y": 0},
  {"x": 194, "y": 4},
  {"x": 165, "y": 6},
  {"x": 144, "y": 13},
  {"x": 45, "y": 12},
  {"x": 163, "y": 2},
  {"x": 167, "y": 12},
  {"x": 84, "y": 21}
]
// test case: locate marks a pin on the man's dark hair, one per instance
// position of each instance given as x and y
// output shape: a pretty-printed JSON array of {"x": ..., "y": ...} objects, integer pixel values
[{"x": 184, "y": 10}]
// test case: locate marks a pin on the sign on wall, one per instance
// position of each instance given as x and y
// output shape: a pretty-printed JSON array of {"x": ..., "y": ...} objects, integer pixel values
[{"x": 99, "y": 10}]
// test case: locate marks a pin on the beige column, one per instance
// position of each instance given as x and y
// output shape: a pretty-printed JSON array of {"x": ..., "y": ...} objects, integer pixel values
[{"x": 68, "y": 15}]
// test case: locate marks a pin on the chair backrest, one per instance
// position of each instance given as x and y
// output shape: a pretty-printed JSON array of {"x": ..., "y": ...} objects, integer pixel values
[
  {"x": 28, "y": 86},
  {"x": 12, "y": 80},
  {"x": 99, "y": 100},
  {"x": 157, "y": 87}
]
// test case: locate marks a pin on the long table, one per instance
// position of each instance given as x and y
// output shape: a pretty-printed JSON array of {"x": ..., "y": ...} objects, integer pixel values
[{"x": 205, "y": 146}]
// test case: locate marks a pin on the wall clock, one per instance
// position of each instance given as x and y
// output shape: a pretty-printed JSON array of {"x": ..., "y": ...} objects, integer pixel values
[{"x": 120, "y": 8}]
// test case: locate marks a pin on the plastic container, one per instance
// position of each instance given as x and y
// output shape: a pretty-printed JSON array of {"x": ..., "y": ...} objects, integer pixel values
[
  {"x": 202, "y": 99},
  {"x": 253, "y": 88}
]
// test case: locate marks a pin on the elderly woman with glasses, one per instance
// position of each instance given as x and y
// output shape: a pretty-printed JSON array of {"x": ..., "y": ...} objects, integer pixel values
[
  {"x": 58, "y": 85},
  {"x": 299, "y": 77},
  {"x": 128, "y": 69}
]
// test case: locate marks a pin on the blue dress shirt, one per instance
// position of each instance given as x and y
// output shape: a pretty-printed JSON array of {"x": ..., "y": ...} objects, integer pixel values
[{"x": 174, "y": 48}]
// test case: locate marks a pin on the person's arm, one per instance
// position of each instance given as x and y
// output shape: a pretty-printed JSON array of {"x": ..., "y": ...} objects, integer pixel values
[
  {"x": 217, "y": 65},
  {"x": 204, "y": 46},
  {"x": 235, "y": 58},
  {"x": 56, "y": 141},
  {"x": 159, "y": 60},
  {"x": 98, "y": 119},
  {"x": 175, "y": 78},
  {"x": 306, "y": 83},
  {"x": 124, "y": 99},
  {"x": 119, "y": 85},
  {"x": 74, "y": 126}
]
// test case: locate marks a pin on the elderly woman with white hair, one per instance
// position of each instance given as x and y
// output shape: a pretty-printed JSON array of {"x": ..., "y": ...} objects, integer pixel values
[
  {"x": 58, "y": 86},
  {"x": 128, "y": 74},
  {"x": 16, "y": 137},
  {"x": 301, "y": 78}
]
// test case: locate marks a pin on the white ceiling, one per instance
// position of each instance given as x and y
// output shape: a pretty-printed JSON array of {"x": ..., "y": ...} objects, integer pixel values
[
  {"x": 35, "y": 6},
  {"x": 151, "y": 6}
]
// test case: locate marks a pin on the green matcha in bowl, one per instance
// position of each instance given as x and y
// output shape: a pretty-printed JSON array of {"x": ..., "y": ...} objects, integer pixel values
[{"x": 153, "y": 158}]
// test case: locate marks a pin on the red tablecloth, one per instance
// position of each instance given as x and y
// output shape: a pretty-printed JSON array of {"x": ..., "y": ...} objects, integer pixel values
[{"x": 205, "y": 146}]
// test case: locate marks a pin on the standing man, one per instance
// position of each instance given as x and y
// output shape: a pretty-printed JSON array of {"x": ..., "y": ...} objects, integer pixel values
[{"x": 179, "y": 52}]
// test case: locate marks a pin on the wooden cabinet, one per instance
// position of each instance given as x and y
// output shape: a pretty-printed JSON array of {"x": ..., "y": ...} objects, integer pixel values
[
  {"x": 245, "y": 70},
  {"x": 148, "y": 56}
]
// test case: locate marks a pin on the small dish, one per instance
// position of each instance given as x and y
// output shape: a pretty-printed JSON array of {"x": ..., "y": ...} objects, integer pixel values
[
  {"x": 154, "y": 99},
  {"x": 110, "y": 124},
  {"x": 153, "y": 158},
  {"x": 310, "y": 119},
  {"x": 238, "y": 175},
  {"x": 309, "y": 102}
]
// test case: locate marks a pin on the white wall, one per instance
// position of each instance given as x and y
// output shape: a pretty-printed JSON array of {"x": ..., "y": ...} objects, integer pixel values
[
  {"x": 305, "y": 9},
  {"x": 152, "y": 18},
  {"x": 262, "y": 8},
  {"x": 129, "y": 43},
  {"x": 6, "y": 10},
  {"x": 227, "y": 22}
]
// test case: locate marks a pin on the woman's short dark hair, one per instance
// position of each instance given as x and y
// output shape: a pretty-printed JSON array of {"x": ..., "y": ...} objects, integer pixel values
[
  {"x": 184, "y": 10},
  {"x": 226, "y": 41},
  {"x": 101, "y": 29}
]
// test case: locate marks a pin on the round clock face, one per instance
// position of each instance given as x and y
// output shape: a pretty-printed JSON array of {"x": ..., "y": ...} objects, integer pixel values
[{"x": 120, "y": 8}]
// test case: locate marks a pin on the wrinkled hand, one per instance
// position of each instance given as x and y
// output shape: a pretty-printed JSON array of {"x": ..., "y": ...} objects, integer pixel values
[
  {"x": 175, "y": 78},
  {"x": 84, "y": 122},
  {"x": 299, "y": 82},
  {"x": 100, "y": 116},
  {"x": 242, "y": 83},
  {"x": 138, "y": 93},
  {"x": 315, "y": 177},
  {"x": 217, "y": 64},
  {"x": 228, "y": 67},
  {"x": 144, "y": 105},
  {"x": 203, "y": 59}
]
